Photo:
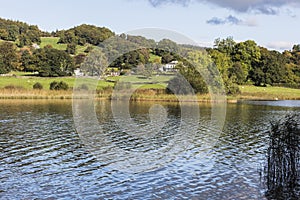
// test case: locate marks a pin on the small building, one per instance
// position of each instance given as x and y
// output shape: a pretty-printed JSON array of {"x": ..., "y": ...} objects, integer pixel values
[
  {"x": 78, "y": 72},
  {"x": 169, "y": 67}
]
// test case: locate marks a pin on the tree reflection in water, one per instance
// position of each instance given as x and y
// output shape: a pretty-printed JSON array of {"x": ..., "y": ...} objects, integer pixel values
[{"x": 282, "y": 172}]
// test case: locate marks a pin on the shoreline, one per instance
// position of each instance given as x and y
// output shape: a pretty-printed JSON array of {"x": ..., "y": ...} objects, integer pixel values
[{"x": 10, "y": 94}]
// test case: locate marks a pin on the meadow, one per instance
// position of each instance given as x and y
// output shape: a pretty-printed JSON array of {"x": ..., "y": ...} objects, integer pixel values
[
  {"x": 268, "y": 93},
  {"x": 20, "y": 85},
  {"x": 52, "y": 41}
]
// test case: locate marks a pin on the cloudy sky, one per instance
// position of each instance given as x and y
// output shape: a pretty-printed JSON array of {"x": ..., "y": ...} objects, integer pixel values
[{"x": 271, "y": 23}]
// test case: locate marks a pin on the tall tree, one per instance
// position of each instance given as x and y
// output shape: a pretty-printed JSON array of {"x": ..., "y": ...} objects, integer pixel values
[
  {"x": 270, "y": 69},
  {"x": 95, "y": 63},
  {"x": 246, "y": 53},
  {"x": 225, "y": 45},
  {"x": 52, "y": 62},
  {"x": 8, "y": 57}
]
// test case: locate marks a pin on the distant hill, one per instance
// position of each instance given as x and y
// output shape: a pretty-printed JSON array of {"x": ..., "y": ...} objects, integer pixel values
[{"x": 21, "y": 33}]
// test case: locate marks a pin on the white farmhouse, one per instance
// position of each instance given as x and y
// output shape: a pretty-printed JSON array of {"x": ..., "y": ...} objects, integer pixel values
[
  {"x": 170, "y": 67},
  {"x": 78, "y": 72}
]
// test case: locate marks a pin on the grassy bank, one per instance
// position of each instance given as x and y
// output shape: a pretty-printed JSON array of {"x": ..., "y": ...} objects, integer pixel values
[
  {"x": 268, "y": 93},
  {"x": 34, "y": 94},
  {"x": 20, "y": 86}
]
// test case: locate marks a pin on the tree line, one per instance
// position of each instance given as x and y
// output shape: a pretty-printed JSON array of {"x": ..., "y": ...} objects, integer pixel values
[
  {"x": 238, "y": 62},
  {"x": 247, "y": 63},
  {"x": 19, "y": 32}
]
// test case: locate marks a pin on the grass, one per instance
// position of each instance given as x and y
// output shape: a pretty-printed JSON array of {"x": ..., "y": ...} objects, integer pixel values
[
  {"x": 137, "y": 81},
  {"x": 268, "y": 93},
  {"x": 34, "y": 94},
  {"x": 27, "y": 82},
  {"x": 17, "y": 73},
  {"x": 53, "y": 42},
  {"x": 20, "y": 86}
]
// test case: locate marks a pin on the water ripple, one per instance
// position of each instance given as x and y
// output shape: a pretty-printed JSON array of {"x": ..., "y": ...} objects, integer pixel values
[{"x": 42, "y": 157}]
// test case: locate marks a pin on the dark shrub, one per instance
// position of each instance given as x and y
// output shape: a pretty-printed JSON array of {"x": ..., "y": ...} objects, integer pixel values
[
  {"x": 37, "y": 86},
  {"x": 13, "y": 87},
  {"x": 59, "y": 85},
  {"x": 10, "y": 87}
]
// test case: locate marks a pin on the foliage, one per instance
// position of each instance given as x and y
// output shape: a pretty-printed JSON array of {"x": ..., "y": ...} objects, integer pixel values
[
  {"x": 231, "y": 88},
  {"x": 79, "y": 59},
  {"x": 85, "y": 34},
  {"x": 187, "y": 81},
  {"x": 270, "y": 69},
  {"x": 14, "y": 30},
  {"x": 239, "y": 63},
  {"x": 71, "y": 48},
  {"x": 245, "y": 62},
  {"x": 37, "y": 86},
  {"x": 51, "y": 62},
  {"x": 95, "y": 63},
  {"x": 8, "y": 57},
  {"x": 145, "y": 70},
  {"x": 140, "y": 40},
  {"x": 179, "y": 86},
  {"x": 59, "y": 85}
]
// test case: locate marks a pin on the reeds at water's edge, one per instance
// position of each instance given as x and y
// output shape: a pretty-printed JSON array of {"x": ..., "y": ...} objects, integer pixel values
[{"x": 282, "y": 171}]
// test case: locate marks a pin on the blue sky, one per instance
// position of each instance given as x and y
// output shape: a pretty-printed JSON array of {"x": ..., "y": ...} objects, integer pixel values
[{"x": 271, "y": 23}]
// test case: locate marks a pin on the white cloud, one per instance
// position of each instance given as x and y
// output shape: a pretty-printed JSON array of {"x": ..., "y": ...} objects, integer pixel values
[
  {"x": 280, "y": 45},
  {"x": 268, "y": 7},
  {"x": 232, "y": 20}
]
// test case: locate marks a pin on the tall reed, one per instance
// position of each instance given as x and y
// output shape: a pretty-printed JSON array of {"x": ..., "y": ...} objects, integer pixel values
[{"x": 282, "y": 173}]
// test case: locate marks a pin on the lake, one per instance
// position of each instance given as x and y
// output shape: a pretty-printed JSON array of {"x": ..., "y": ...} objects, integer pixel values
[{"x": 47, "y": 152}]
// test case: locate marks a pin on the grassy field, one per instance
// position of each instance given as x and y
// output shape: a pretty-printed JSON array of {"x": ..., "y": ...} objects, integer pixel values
[
  {"x": 53, "y": 42},
  {"x": 155, "y": 82},
  {"x": 268, "y": 93},
  {"x": 27, "y": 82},
  {"x": 21, "y": 84}
]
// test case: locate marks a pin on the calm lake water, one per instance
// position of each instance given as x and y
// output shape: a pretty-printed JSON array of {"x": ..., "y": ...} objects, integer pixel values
[{"x": 42, "y": 156}]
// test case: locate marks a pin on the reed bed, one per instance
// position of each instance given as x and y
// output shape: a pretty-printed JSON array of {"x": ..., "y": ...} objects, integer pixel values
[{"x": 282, "y": 171}]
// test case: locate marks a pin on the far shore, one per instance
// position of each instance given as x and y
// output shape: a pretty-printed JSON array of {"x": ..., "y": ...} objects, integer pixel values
[{"x": 149, "y": 95}]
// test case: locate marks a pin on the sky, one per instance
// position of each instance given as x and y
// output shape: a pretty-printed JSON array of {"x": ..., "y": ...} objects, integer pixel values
[{"x": 271, "y": 23}]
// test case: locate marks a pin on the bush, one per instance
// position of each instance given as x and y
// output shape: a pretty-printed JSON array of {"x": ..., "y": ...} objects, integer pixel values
[
  {"x": 231, "y": 88},
  {"x": 37, "y": 86},
  {"x": 13, "y": 87},
  {"x": 59, "y": 85}
]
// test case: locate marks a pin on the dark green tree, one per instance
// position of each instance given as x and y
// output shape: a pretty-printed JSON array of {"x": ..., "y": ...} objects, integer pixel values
[
  {"x": 246, "y": 54},
  {"x": 71, "y": 48},
  {"x": 270, "y": 69},
  {"x": 52, "y": 62},
  {"x": 8, "y": 57},
  {"x": 225, "y": 45},
  {"x": 26, "y": 60}
]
